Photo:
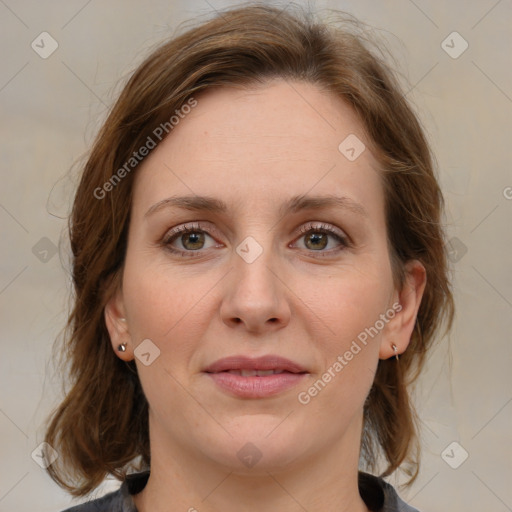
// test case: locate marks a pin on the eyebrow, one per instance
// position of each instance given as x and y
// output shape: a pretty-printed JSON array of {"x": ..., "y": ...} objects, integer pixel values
[{"x": 293, "y": 205}]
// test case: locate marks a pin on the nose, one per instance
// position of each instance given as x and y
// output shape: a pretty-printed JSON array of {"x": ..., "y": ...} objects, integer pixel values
[{"x": 256, "y": 299}]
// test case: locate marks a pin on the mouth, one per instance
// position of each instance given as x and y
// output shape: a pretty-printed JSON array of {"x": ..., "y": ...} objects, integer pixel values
[
  {"x": 273, "y": 363},
  {"x": 261, "y": 377},
  {"x": 254, "y": 373}
]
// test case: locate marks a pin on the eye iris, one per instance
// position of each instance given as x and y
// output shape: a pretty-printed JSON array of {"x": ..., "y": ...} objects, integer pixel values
[
  {"x": 196, "y": 240},
  {"x": 319, "y": 240}
]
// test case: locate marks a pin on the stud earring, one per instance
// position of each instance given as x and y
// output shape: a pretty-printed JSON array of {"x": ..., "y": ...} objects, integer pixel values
[
  {"x": 395, "y": 350},
  {"x": 122, "y": 347}
]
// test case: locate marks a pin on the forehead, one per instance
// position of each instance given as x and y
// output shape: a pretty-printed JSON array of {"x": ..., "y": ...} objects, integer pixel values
[
  {"x": 263, "y": 140},
  {"x": 276, "y": 116}
]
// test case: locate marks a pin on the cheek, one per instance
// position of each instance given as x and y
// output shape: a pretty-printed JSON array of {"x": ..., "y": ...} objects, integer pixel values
[
  {"x": 165, "y": 305},
  {"x": 350, "y": 304},
  {"x": 348, "y": 344},
  {"x": 350, "y": 301}
]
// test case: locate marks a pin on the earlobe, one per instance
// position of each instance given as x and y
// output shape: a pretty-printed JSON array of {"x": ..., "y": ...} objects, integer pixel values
[
  {"x": 400, "y": 328},
  {"x": 117, "y": 327}
]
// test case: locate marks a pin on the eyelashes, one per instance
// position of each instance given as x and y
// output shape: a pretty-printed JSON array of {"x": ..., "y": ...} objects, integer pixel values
[
  {"x": 193, "y": 238},
  {"x": 326, "y": 231},
  {"x": 186, "y": 232}
]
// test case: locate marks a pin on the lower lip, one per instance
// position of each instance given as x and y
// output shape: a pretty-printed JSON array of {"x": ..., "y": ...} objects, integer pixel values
[{"x": 256, "y": 387}]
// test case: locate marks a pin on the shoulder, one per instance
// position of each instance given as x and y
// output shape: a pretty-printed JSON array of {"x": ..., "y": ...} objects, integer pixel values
[
  {"x": 379, "y": 496},
  {"x": 111, "y": 502},
  {"x": 117, "y": 501}
]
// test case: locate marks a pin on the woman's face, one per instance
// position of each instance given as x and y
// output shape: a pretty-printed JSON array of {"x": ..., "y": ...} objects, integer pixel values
[{"x": 284, "y": 256}]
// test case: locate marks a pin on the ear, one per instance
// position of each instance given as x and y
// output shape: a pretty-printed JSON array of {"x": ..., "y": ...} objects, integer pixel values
[
  {"x": 117, "y": 326},
  {"x": 399, "y": 330}
]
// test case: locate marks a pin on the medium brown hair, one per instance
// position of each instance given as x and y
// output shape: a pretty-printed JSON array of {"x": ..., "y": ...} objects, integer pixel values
[{"x": 101, "y": 426}]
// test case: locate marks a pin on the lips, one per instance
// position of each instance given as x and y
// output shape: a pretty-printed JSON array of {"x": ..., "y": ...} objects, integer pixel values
[
  {"x": 250, "y": 366},
  {"x": 254, "y": 373},
  {"x": 261, "y": 377}
]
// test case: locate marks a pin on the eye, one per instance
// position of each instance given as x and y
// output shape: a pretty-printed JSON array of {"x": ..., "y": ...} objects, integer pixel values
[
  {"x": 318, "y": 237},
  {"x": 187, "y": 240},
  {"x": 190, "y": 239}
]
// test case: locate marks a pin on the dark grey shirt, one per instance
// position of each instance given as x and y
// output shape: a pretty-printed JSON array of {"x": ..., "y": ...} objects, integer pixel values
[{"x": 378, "y": 495}]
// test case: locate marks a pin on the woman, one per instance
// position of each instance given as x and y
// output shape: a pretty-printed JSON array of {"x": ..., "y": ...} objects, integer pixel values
[{"x": 259, "y": 269}]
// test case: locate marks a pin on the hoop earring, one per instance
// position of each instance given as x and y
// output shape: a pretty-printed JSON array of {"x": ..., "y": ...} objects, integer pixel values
[
  {"x": 395, "y": 350},
  {"x": 122, "y": 347}
]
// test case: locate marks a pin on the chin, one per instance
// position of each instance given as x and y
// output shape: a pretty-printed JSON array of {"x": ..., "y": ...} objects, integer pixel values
[{"x": 259, "y": 444}]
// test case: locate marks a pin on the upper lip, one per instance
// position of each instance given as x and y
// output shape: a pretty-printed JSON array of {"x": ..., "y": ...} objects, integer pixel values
[{"x": 269, "y": 362}]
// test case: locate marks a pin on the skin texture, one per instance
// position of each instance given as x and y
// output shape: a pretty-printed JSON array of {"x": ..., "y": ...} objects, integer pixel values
[{"x": 254, "y": 149}]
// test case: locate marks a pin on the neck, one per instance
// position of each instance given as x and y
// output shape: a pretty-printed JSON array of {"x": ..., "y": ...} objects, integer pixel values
[{"x": 183, "y": 481}]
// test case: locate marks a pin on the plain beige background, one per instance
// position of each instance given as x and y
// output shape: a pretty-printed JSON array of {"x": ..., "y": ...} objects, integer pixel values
[{"x": 50, "y": 110}]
